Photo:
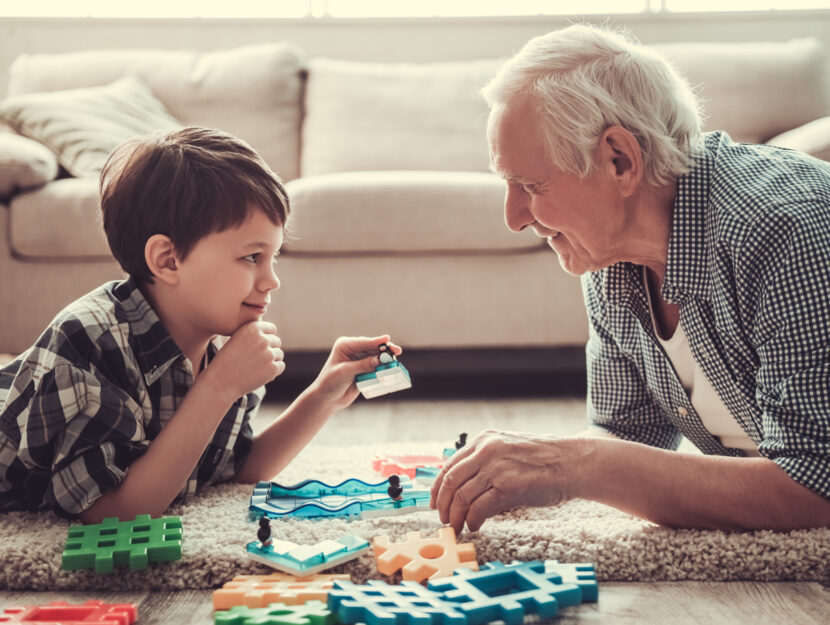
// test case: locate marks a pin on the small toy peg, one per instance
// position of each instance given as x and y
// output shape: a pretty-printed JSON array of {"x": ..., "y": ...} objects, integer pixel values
[
  {"x": 264, "y": 532},
  {"x": 385, "y": 356},
  {"x": 395, "y": 489},
  {"x": 462, "y": 440}
]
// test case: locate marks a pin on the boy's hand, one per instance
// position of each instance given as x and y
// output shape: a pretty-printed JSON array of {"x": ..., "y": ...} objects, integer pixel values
[
  {"x": 250, "y": 358},
  {"x": 349, "y": 357}
]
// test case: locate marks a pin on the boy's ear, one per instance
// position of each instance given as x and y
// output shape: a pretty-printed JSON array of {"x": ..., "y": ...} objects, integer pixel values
[
  {"x": 620, "y": 155},
  {"x": 160, "y": 256}
]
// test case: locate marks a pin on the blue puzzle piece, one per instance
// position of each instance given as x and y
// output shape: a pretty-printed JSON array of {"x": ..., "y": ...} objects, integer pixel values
[
  {"x": 352, "y": 498},
  {"x": 304, "y": 560},
  {"x": 378, "y": 603},
  {"x": 582, "y": 574},
  {"x": 386, "y": 378},
  {"x": 311, "y": 613},
  {"x": 507, "y": 592}
]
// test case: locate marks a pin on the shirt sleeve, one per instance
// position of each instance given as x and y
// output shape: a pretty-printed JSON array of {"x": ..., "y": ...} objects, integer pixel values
[
  {"x": 86, "y": 432},
  {"x": 618, "y": 399},
  {"x": 788, "y": 316}
]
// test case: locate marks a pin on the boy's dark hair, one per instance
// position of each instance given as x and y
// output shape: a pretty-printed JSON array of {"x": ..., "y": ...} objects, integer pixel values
[{"x": 185, "y": 184}]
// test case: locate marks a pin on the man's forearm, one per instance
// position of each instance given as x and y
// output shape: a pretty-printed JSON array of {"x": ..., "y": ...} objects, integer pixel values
[{"x": 687, "y": 490}]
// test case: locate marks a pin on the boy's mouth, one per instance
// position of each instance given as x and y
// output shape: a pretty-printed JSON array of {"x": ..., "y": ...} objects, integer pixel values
[{"x": 258, "y": 307}]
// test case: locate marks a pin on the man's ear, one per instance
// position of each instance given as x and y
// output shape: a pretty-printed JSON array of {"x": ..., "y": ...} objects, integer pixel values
[
  {"x": 160, "y": 256},
  {"x": 621, "y": 157}
]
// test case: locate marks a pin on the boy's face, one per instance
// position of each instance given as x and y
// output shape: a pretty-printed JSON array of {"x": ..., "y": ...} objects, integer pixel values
[{"x": 227, "y": 279}]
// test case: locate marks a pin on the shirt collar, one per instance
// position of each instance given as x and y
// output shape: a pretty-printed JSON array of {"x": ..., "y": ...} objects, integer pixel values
[{"x": 154, "y": 348}]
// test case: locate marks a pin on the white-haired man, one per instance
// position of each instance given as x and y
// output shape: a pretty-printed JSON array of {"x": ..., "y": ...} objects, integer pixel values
[{"x": 705, "y": 268}]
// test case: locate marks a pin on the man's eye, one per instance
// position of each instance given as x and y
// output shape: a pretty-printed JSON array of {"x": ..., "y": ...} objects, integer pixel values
[
  {"x": 251, "y": 258},
  {"x": 529, "y": 189}
]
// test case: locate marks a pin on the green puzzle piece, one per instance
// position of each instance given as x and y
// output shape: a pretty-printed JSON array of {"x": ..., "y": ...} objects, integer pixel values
[
  {"x": 127, "y": 543},
  {"x": 310, "y": 613}
]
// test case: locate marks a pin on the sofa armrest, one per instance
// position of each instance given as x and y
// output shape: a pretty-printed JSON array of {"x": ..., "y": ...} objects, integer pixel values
[
  {"x": 812, "y": 138},
  {"x": 24, "y": 164}
]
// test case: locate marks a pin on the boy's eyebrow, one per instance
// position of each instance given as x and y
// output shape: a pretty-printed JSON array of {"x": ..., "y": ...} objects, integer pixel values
[{"x": 259, "y": 245}]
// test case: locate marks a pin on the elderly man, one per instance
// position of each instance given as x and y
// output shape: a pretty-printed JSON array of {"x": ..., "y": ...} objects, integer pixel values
[{"x": 705, "y": 268}]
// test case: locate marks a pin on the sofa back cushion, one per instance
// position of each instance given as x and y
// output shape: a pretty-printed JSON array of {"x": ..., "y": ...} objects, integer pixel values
[
  {"x": 387, "y": 116},
  {"x": 253, "y": 92}
]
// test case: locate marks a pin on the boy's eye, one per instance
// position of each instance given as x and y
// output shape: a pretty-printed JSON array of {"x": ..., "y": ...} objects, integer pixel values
[{"x": 251, "y": 258}]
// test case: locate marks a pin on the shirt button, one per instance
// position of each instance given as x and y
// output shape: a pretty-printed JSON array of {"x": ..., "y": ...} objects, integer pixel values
[{"x": 681, "y": 410}]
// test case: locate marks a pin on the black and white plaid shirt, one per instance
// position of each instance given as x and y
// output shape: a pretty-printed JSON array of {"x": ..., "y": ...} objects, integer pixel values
[
  {"x": 85, "y": 401},
  {"x": 749, "y": 265}
]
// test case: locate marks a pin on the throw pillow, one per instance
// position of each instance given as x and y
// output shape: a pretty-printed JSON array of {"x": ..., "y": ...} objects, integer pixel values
[
  {"x": 82, "y": 126},
  {"x": 23, "y": 164}
]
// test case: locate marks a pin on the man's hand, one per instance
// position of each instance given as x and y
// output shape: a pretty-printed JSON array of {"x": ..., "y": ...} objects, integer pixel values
[
  {"x": 499, "y": 471},
  {"x": 349, "y": 357},
  {"x": 250, "y": 358}
]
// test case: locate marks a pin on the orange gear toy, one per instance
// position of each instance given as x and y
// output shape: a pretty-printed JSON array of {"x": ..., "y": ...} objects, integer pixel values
[{"x": 421, "y": 558}]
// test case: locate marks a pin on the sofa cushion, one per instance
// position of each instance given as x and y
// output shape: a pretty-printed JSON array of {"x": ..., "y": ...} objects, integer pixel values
[
  {"x": 60, "y": 220},
  {"x": 252, "y": 92},
  {"x": 812, "y": 138},
  {"x": 82, "y": 126},
  {"x": 755, "y": 90},
  {"x": 387, "y": 116},
  {"x": 24, "y": 164},
  {"x": 401, "y": 212}
]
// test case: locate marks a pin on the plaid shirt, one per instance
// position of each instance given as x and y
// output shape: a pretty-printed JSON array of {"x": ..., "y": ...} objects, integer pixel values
[
  {"x": 85, "y": 401},
  {"x": 749, "y": 265}
]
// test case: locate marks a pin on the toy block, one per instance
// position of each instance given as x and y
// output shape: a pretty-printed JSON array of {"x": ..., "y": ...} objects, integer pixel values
[
  {"x": 426, "y": 475},
  {"x": 378, "y": 603},
  {"x": 311, "y": 613},
  {"x": 404, "y": 465},
  {"x": 351, "y": 498},
  {"x": 93, "y": 612},
  {"x": 302, "y": 560},
  {"x": 386, "y": 378},
  {"x": 582, "y": 574},
  {"x": 111, "y": 543},
  {"x": 507, "y": 592},
  {"x": 420, "y": 558},
  {"x": 260, "y": 591}
]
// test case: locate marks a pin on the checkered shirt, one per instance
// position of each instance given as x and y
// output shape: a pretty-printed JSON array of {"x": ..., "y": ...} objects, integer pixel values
[
  {"x": 87, "y": 399},
  {"x": 749, "y": 265}
]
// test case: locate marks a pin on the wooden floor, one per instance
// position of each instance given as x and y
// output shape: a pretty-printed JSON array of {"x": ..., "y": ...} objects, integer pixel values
[
  {"x": 681, "y": 603},
  {"x": 669, "y": 603}
]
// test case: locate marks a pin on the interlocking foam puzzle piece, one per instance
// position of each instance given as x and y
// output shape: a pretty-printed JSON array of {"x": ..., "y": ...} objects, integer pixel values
[
  {"x": 507, "y": 592},
  {"x": 111, "y": 543},
  {"x": 93, "y": 612},
  {"x": 385, "y": 379},
  {"x": 311, "y": 613},
  {"x": 289, "y": 557},
  {"x": 422, "y": 558},
  {"x": 259, "y": 591},
  {"x": 378, "y": 603},
  {"x": 351, "y": 498},
  {"x": 580, "y": 573},
  {"x": 404, "y": 465}
]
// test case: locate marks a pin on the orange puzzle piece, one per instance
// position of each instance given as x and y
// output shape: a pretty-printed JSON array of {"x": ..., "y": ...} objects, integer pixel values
[
  {"x": 424, "y": 558},
  {"x": 259, "y": 591},
  {"x": 404, "y": 465}
]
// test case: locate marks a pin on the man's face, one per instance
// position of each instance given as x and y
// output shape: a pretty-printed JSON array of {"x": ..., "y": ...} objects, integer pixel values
[
  {"x": 579, "y": 217},
  {"x": 227, "y": 278}
]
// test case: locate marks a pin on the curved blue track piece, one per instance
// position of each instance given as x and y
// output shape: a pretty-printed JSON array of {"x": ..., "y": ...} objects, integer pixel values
[{"x": 350, "y": 498}]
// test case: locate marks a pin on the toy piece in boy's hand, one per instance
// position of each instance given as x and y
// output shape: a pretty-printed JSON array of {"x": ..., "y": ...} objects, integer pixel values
[{"x": 389, "y": 376}]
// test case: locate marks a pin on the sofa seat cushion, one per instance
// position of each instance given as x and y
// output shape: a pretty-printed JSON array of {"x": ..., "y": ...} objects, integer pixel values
[
  {"x": 60, "y": 220},
  {"x": 253, "y": 92},
  {"x": 755, "y": 91},
  {"x": 400, "y": 212},
  {"x": 395, "y": 116}
]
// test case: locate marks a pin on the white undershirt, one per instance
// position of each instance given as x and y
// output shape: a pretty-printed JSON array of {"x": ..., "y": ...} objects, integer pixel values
[{"x": 709, "y": 406}]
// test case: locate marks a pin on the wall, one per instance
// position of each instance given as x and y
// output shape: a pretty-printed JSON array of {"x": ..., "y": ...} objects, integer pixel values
[{"x": 416, "y": 40}]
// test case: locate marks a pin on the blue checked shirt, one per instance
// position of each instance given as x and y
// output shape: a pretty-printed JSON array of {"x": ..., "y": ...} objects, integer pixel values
[
  {"x": 87, "y": 399},
  {"x": 749, "y": 265}
]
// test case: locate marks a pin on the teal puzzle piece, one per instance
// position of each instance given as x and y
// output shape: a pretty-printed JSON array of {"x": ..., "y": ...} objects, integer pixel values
[
  {"x": 378, "y": 603},
  {"x": 385, "y": 379},
  {"x": 310, "y": 613},
  {"x": 304, "y": 560},
  {"x": 105, "y": 545}
]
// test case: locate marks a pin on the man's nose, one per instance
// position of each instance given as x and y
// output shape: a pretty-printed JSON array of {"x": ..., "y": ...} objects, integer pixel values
[{"x": 517, "y": 214}]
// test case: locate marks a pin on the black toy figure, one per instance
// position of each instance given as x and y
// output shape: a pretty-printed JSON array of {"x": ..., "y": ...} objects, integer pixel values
[
  {"x": 395, "y": 489},
  {"x": 264, "y": 531},
  {"x": 462, "y": 440},
  {"x": 386, "y": 356}
]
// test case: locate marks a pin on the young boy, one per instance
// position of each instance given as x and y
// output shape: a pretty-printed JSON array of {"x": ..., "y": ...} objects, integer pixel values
[{"x": 126, "y": 400}]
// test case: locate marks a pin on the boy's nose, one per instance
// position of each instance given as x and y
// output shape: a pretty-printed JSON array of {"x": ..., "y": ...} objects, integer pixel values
[{"x": 270, "y": 282}]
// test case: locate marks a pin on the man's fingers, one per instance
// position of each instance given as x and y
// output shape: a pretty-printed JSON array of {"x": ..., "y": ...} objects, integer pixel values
[
  {"x": 457, "y": 475},
  {"x": 463, "y": 499},
  {"x": 486, "y": 505}
]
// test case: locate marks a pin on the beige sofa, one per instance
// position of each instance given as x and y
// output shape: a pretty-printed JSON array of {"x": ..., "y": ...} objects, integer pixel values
[{"x": 397, "y": 224}]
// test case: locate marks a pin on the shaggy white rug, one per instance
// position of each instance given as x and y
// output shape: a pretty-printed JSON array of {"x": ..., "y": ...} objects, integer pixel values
[{"x": 216, "y": 530}]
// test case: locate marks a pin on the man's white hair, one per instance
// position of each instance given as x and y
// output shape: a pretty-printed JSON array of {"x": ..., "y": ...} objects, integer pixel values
[{"x": 584, "y": 79}]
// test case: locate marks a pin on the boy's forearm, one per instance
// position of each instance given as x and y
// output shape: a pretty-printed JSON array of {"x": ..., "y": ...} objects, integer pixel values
[
  {"x": 687, "y": 490},
  {"x": 283, "y": 439},
  {"x": 154, "y": 479}
]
